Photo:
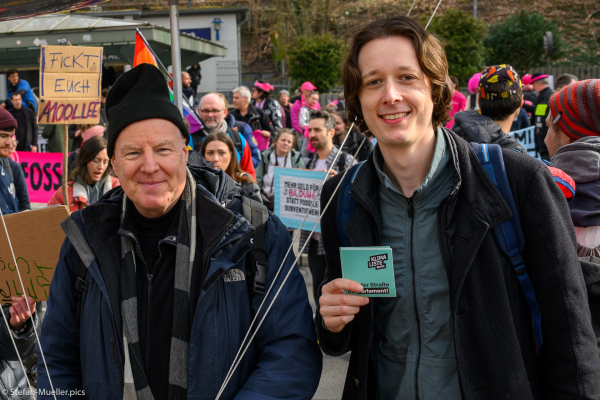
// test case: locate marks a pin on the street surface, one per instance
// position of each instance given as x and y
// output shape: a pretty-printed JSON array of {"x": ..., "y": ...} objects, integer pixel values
[{"x": 334, "y": 368}]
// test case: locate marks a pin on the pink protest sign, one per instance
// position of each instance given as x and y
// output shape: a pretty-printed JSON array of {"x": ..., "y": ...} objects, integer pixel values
[{"x": 43, "y": 174}]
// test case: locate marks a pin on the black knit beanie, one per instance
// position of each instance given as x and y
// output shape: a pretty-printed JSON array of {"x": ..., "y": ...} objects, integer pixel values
[{"x": 140, "y": 93}]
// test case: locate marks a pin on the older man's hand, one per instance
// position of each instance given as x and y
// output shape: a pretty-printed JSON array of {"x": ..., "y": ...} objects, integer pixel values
[{"x": 337, "y": 308}]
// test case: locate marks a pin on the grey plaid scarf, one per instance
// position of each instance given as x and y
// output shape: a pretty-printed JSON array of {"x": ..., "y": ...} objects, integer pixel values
[{"x": 136, "y": 382}]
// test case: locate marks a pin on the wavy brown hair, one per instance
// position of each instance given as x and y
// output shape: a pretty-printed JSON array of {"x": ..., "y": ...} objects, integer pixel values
[
  {"x": 430, "y": 54},
  {"x": 233, "y": 170}
]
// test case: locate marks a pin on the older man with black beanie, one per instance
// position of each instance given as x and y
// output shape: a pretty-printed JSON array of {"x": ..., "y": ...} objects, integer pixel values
[{"x": 153, "y": 293}]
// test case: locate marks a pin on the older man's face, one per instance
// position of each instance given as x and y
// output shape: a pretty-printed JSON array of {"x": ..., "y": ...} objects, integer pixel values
[
  {"x": 239, "y": 102},
  {"x": 150, "y": 160},
  {"x": 212, "y": 110}
]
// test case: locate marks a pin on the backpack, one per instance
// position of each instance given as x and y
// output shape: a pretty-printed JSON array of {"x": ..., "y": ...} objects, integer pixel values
[
  {"x": 257, "y": 214},
  {"x": 508, "y": 235}
]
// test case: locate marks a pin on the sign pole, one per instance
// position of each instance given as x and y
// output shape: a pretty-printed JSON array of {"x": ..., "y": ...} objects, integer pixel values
[
  {"x": 175, "y": 53},
  {"x": 65, "y": 172}
]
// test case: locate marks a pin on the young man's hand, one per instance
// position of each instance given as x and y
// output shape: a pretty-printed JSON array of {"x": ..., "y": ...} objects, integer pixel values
[
  {"x": 19, "y": 314},
  {"x": 338, "y": 308}
]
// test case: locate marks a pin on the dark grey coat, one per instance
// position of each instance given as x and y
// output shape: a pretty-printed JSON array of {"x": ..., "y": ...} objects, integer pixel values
[
  {"x": 493, "y": 336},
  {"x": 474, "y": 127},
  {"x": 11, "y": 373}
]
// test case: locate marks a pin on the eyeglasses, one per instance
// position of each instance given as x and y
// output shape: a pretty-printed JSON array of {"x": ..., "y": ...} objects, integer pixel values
[{"x": 207, "y": 112}]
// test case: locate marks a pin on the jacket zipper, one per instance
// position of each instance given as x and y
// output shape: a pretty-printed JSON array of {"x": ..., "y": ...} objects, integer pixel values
[{"x": 410, "y": 210}]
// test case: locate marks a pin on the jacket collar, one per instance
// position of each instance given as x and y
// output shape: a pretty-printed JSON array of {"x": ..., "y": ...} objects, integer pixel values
[{"x": 472, "y": 188}]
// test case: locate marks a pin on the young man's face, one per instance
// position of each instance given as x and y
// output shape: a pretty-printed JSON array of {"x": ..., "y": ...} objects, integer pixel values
[
  {"x": 395, "y": 94},
  {"x": 14, "y": 78},
  {"x": 186, "y": 81},
  {"x": 16, "y": 101},
  {"x": 6, "y": 142},
  {"x": 318, "y": 134},
  {"x": 555, "y": 139}
]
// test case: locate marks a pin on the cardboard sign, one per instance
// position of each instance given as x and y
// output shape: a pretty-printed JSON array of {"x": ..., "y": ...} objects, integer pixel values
[
  {"x": 372, "y": 267},
  {"x": 43, "y": 174},
  {"x": 36, "y": 237},
  {"x": 294, "y": 191},
  {"x": 70, "y": 85}
]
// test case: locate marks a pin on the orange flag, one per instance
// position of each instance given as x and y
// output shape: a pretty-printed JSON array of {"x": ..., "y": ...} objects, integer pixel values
[{"x": 142, "y": 54}]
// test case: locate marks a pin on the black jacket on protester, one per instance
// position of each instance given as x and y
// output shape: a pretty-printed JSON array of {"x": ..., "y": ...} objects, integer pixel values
[
  {"x": 474, "y": 127},
  {"x": 540, "y": 112},
  {"x": 256, "y": 118},
  {"x": 12, "y": 378},
  {"x": 353, "y": 143},
  {"x": 493, "y": 336}
]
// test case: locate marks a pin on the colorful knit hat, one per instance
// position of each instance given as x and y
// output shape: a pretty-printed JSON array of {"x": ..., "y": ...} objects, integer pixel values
[
  {"x": 497, "y": 74},
  {"x": 576, "y": 109}
]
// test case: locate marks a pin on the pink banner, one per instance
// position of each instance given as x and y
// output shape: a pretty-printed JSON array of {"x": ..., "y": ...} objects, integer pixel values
[{"x": 43, "y": 174}]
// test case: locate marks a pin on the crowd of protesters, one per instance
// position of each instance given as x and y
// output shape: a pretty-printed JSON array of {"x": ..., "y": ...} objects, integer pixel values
[{"x": 172, "y": 240}]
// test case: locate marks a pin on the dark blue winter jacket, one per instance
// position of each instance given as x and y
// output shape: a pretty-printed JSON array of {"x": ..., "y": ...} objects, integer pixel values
[
  {"x": 283, "y": 360},
  {"x": 28, "y": 97}
]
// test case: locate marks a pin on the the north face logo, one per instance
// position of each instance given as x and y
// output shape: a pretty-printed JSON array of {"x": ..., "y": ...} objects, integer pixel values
[{"x": 234, "y": 275}]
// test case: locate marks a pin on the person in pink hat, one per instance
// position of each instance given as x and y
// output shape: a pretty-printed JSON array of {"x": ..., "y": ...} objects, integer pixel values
[
  {"x": 473, "y": 87},
  {"x": 540, "y": 112},
  {"x": 261, "y": 98},
  {"x": 305, "y": 89}
]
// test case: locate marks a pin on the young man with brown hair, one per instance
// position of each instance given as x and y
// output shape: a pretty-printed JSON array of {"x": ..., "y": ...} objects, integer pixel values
[{"x": 460, "y": 327}]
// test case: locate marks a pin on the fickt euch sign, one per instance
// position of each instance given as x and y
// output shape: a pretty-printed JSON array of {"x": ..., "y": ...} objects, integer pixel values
[{"x": 70, "y": 85}]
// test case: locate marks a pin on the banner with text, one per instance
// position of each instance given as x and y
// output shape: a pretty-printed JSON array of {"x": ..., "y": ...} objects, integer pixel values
[
  {"x": 70, "y": 85},
  {"x": 43, "y": 174},
  {"x": 295, "y": 190}
]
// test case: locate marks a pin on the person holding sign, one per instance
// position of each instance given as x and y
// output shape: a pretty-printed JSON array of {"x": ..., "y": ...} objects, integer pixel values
[
  {"x": 462, "y": 325},
  {"x": 22, "y": 324},
  {"x": 156, "y": 286},
  {"x": 90, "y": 179},
  {"x": 280, "y": 154},
  {"x": 321, "y": 130}
]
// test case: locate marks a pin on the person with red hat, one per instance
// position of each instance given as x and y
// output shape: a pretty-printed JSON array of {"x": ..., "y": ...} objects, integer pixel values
[
  {"x": 14, "y": 196},
  {"x": 573, "y": 142},
  {"x": 305, "y": 89},
  {"x": 540, "y": 111}
]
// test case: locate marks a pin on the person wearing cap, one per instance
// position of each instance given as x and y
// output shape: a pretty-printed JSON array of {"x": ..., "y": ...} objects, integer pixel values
[
  {"x": 540, "y": 112},
  {"x": 305, "y": 91},
  {"x": 260, "y": 93},
  {"x": 14, "y": 196},
  {"x": 573, "y": 142},
  {"x": 150, "y": 298},
  {"x": 500, "y": 100},
  {"x": 460, "y": 326}
]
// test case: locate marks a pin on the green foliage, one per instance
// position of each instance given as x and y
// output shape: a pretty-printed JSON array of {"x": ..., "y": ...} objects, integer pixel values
[
  {"x": 317, "y": 59},
  {"x": 463, "y": 36},
  {"x": 519, "y": 41}
]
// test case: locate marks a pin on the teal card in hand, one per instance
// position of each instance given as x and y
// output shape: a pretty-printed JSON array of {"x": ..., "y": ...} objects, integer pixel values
[{"x": 372, "y": 267}]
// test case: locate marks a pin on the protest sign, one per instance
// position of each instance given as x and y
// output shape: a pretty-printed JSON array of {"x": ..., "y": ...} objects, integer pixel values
[
  {"x": 36, "y": 238},
  {"x": 294, "y": 191},
  {"x": 70, "y": 85},
  {"x": 43, "y": 174},
  {"x": 526, "y": 137}
]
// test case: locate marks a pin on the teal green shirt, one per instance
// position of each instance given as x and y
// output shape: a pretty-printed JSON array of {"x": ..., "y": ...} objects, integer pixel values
[{"x": 415, "y": 351}]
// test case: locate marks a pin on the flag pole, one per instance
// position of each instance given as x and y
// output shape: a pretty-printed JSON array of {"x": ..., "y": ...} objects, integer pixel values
[
  {"x": 176, "y": 53},
  {"x": 166, "y": 72}
]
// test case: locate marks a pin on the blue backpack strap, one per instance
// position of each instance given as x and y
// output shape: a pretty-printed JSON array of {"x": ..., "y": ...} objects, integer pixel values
[
  {"x": 346, "y": 205},
  {"x": 509, "y": 234}
]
